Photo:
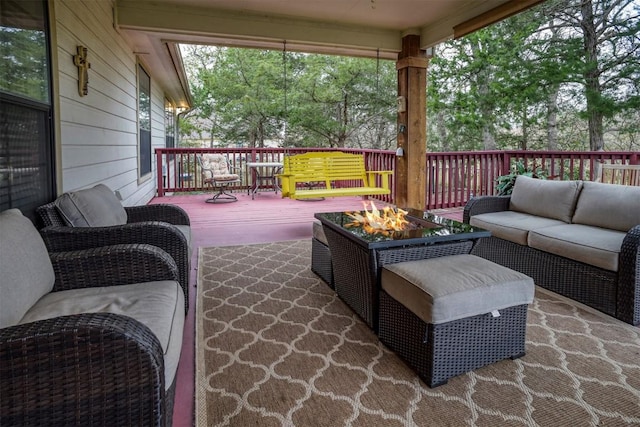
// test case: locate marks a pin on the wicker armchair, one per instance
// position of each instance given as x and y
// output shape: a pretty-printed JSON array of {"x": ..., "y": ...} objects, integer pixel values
[
  {"x": 62, "y": 363},
  {"x": 162, "y": 225}
]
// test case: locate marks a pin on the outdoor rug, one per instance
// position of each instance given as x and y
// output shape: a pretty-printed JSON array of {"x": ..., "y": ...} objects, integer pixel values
[{"x": 277, "y": 347}]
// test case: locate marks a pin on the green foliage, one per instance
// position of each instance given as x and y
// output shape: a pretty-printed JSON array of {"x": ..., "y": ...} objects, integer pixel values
[
  {"x": 505, "y": 183},
  {"x": 251, "y": 98},
  {"x": 528, "y": 83},
  {"x": 523, "y": 83}
]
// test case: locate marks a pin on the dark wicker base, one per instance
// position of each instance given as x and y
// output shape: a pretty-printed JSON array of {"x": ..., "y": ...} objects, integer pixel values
[
  {"x": 355, "y": 269},
  {"x": 321, "y": 262},
  {"x": 87, "y": 369},
  {"x": 439, "y": 352},
  {"x": 589, "y": 285}
]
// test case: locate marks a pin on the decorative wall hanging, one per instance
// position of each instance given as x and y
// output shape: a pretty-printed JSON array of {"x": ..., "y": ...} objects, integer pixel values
[{"x": 80, "y": 61}]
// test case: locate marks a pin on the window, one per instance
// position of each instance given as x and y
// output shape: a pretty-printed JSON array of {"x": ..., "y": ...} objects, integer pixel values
[
  {"x": 27, "y": 178},
  {"x": 169, "y": 124},
  {"x": 144, "y": 121}
]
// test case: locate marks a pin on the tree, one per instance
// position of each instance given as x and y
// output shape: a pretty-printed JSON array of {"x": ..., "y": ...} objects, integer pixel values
[
  {"x": 344, "y": 102},
  {"x": 291, "y": 99},
  {"x": 521, "y": 80},
  {"x": 610, "y": 34},
  {"x": 238, "y": 93},
  {"x": 563, "y": 75},
  {"x": 482, "y": 85}
]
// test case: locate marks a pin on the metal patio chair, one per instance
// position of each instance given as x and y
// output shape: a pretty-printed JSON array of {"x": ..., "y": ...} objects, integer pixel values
[{"x": 219, "y": 174}]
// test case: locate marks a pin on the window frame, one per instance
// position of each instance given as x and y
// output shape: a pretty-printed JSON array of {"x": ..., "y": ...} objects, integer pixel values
[
  {"x": 144, "y": 136},
  {"x": 43, "y": 166}
]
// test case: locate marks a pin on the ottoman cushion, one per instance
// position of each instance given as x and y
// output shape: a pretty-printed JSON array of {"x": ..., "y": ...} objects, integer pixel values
[{"x": 448, "y": 288}]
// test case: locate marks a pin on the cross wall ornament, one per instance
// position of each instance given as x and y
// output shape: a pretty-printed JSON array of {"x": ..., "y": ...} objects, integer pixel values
[{"x": 80, "y": 61}]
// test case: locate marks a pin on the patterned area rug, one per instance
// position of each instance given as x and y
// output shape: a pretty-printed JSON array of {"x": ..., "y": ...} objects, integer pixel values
[{"x": 277, "y": 347}]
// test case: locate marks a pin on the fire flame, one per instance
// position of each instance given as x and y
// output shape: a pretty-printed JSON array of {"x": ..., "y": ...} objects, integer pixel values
[{"x": 382, "y": 222}]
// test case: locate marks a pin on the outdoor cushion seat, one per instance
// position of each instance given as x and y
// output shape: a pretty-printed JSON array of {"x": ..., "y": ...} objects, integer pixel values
[
  {"x": 449, "y": 288},
  {"x": 595, "y": 246},
  {"x": 95, "y": 217},
  {"x": 452, "y": 314},
  {"x": 86, "y": 336},
  {"x": 511, "y": 225},
  {"x": 157, "y": 305}
]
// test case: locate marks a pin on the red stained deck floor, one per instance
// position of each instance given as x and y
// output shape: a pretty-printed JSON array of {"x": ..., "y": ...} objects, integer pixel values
[{"x": 267, "y": 218}]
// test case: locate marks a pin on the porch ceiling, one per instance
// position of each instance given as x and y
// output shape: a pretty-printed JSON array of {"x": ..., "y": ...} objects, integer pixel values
[{"x": 343, "y": 27}]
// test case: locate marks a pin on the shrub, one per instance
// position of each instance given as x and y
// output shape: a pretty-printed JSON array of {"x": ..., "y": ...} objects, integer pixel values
[{"x": 504, "y": 183}]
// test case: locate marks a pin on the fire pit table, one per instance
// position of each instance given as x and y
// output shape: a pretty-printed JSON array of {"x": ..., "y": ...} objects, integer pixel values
[{"x": 357, "y": 255}]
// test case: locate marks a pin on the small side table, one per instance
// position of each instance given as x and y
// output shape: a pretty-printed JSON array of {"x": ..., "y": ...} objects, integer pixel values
[{"x": 263, "y": 172}]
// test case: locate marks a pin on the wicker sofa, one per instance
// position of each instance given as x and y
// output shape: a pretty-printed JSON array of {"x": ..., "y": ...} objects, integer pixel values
[
  {"x": 94, "y": 217},
  {"x": 580, "y": 239},
  {"x": 86, "y": 337}
]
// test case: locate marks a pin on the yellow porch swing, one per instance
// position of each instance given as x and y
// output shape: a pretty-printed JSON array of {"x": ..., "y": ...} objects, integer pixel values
[{"x": 313, "y": 175}]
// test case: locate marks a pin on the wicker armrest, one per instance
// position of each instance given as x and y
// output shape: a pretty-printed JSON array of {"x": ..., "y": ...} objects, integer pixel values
[
  {"x": 161, "y": 234},
  {"x": 97, "y": 368},
  {"x": 48, "y": 216},
  {"x": 628, "y": 297},
  {"x": 111, "y": 266},
  {"x": 161, "y": 212},
  {"x": 484, "y": 204}
]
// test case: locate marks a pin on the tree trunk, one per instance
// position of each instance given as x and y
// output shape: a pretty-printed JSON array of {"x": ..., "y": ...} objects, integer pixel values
[
  {"x": 482, "y": 85},
  {"x": 260, "y": 134},
  {"x": 593, "y": 91},
  {"x": 441, "y": 129},
  {"x": 525, "y": 130},
  {"x": 552, "y": 118},
  {"x": 343, "y": 119}
]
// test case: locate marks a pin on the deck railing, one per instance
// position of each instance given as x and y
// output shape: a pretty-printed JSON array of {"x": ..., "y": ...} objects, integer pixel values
[{"x": 452, "y": 178}]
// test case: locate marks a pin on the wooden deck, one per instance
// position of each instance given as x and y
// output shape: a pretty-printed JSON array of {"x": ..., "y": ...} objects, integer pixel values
[{"x": 267, "y": 218}]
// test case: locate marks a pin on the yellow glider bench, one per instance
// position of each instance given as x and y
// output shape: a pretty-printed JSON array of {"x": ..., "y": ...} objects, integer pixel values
[{"x": 315, "y": 175}]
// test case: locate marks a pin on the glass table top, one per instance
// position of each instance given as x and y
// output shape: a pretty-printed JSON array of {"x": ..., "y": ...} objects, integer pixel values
[{"x": 425, "y": 227}]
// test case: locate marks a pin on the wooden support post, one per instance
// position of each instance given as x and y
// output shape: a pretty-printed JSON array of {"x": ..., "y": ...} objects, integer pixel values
[{"x": 410, "y": 177}]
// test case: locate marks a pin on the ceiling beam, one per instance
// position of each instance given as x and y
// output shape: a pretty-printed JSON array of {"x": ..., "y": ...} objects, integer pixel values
[{"x": 492, "y": 16}]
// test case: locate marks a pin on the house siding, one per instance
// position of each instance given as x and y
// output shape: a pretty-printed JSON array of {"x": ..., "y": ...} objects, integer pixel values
[{"x": 99, "y": 132}]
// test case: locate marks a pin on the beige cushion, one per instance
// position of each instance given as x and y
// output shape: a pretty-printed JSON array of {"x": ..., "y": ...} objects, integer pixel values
[
  {"x": 26, "y": 273},
  {"x": 215, "y": 168},
  {"x": 510, "y": 225},
  {"x": 609, "y": 206},
  {"x": 444, "y": 289},
  {"x": 546, "y": 198},
  {"x": 92, "y": 207},
  {"x": 318, "y": 233},
  {"x": 595, "y": 246},
  {"x": 158, "y": 305}
]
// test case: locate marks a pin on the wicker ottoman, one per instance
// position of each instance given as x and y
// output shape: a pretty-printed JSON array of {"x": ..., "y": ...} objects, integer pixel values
[
  {"x": 321, "y": 255},
  {"x": 449, "y": 315}
]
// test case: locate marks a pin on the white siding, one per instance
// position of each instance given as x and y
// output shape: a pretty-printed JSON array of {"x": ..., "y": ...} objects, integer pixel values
[{"x": 99, "y": 136}]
